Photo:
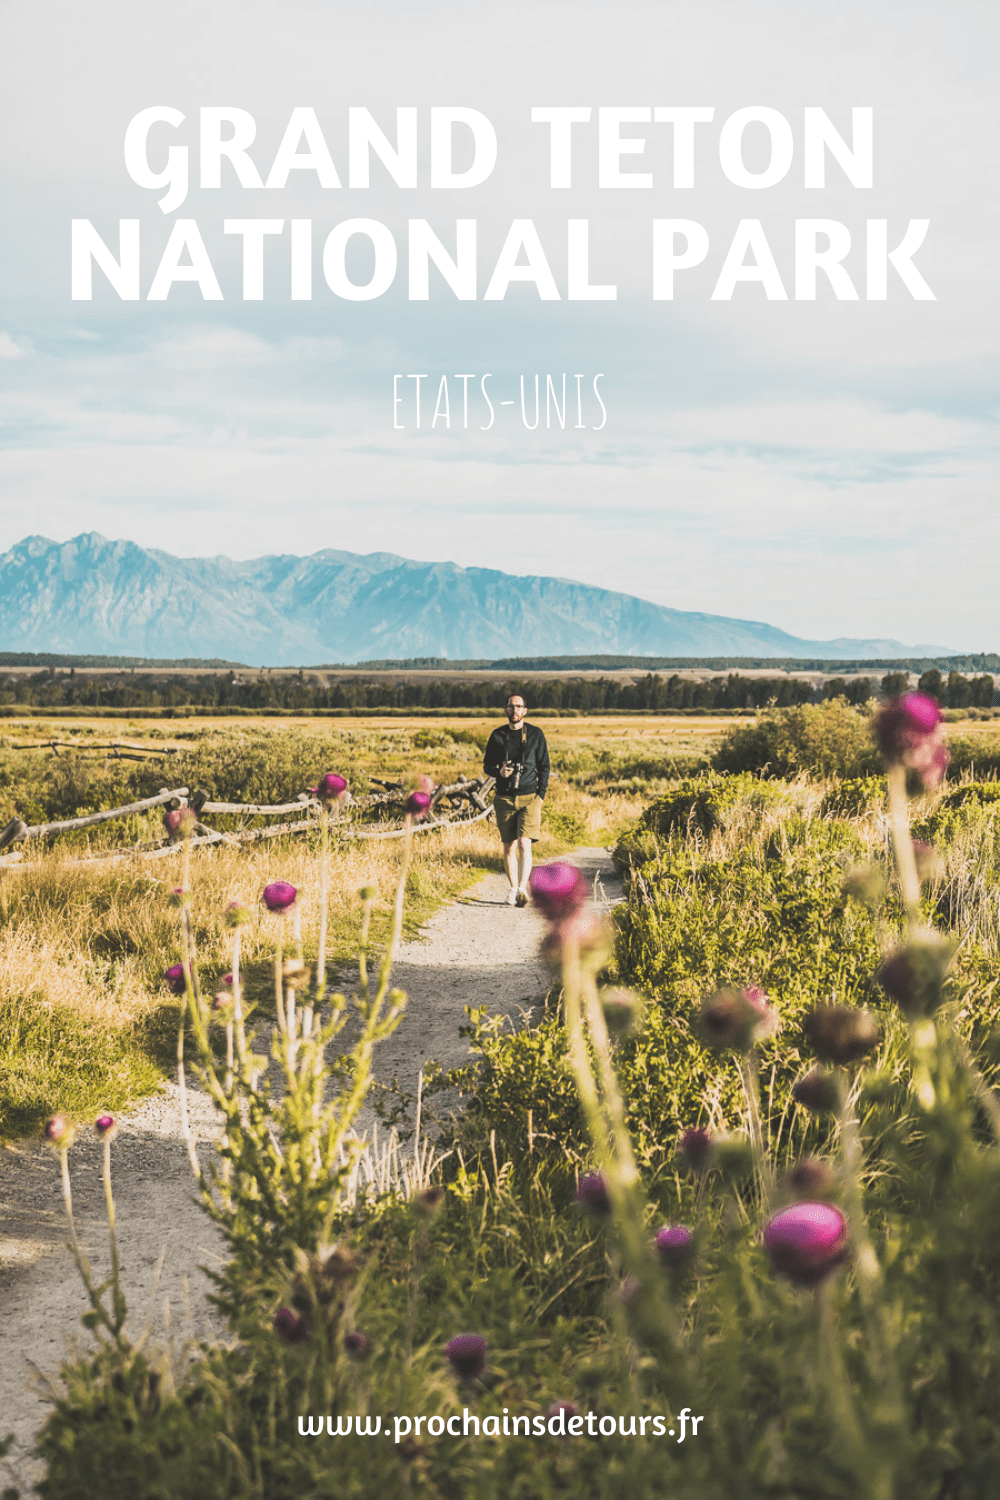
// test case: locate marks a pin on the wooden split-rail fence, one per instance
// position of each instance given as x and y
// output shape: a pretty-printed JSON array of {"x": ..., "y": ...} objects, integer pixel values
[{"x": 461, "y": 802}]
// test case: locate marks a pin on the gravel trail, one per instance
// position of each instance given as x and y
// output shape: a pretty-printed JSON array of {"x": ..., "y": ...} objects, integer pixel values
[{"x": 475, "y": 951}]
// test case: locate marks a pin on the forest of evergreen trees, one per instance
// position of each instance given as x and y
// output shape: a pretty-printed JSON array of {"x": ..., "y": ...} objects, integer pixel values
[{"x": 303, "y": 692}]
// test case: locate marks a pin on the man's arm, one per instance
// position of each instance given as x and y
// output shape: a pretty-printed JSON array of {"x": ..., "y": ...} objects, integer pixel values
[
  {"x": 542, "y": 764},
  {"x": 495, "y": 753}
]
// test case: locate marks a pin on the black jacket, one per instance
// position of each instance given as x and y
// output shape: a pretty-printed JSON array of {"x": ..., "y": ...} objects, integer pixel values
[{"x": 526, "y": 748}]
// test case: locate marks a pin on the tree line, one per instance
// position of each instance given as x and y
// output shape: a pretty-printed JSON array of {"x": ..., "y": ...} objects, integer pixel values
[{"x": 298, "y": 692}]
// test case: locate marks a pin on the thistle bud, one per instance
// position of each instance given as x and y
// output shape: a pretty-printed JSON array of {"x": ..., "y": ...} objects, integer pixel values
[
  {"x": 733, "y": 1155},
  {"x": 179, "y": 823},
  {"x": 290, "y": 1326},
  {"x": 558, "y": 890},
  {"x": 818, "y": 1091},
  {"x": 59, "y": 1133},
  {"x": 913, "y": 976},
  {"x": 467, "y": 1355},
  {"x": 330, "y": 788},
  {"x": 737, "y": 1019},
  {"x": 418, "y": 805},
  {"x": 928, "y": 861},
  {"x": 105, "y": 1126},
  {"x": 592, "y": 1193},
  {"x": 279, "y": 896},
  {"x": 841, "y": 1033},
  {"x": 811, "y": 1179},
  {"x": 428, "y": 1201},
  {"x": 236, "y": 915},
  {"x": 909, "y": 733},
  {"x": 674, "y": 1245},
  {"x": 179, "y": 898},
  {"x": 697, "y": 1149},
  {"x": 806, "y": 1242},
  {"x": 357, "y": 1345},
  {"x": 175, "y": 978}
]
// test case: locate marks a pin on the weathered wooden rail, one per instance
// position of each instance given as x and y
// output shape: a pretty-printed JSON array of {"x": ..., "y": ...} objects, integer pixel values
[{"x": 463, "y": 801}]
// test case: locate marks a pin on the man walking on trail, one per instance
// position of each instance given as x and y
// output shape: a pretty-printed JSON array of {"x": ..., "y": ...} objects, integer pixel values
[{"x": 519, "y": 759}]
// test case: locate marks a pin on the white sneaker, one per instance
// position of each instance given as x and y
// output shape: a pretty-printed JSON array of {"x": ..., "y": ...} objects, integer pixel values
[{"x": 512, "y": 895}]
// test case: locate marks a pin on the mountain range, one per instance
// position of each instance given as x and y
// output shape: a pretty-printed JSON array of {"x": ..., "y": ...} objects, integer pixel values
[{"x": 92, "y": 595}]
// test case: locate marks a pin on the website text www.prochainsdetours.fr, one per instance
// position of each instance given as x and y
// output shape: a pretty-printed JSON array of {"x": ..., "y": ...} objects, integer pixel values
[{"x": 564, "y": 1421}]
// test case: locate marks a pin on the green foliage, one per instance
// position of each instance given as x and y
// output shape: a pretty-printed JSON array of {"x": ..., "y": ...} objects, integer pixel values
[
  {"x": 824, "y": 739},
  {"x": 854, "y": 796},
  {"x": 704, "y": 803}
]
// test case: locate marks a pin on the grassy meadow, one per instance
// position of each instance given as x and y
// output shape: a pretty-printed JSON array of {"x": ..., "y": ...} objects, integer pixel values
[{"x": 765, "y": 857}]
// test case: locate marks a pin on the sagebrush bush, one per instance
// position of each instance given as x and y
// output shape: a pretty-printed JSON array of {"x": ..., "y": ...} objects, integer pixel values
[{"x": 821, "y": 739}]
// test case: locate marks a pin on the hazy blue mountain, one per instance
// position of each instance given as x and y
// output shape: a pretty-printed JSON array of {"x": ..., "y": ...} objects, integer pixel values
[{"x": 97, "y": 596}]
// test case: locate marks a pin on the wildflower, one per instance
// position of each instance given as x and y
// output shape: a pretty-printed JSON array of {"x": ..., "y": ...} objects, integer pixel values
[
  {"x": 914, "y": 976},
  {"x": 222, "y": 1002},
  {"x": 179, "y": 898},
  {"x": 330, "y": 788},
  {"x": 227, "y": 979},
  {"x": 818, "y": 1092},
  {"x": 418, "y": 805},
  {"x": 806, "y": 1242},
  {"x": 558, "y": 890},
  {"x": 466, "y": 1354},
  {"x": 237, "y": 915},
  {"x": 909, "y": 734},
  {"x": 557, "y": 1416},
  {"x": 622, "y": 1011},
  {"x": 105, "y": 1127},
  {"x": 429, "y": 1200},
  {"x": 674, "y": 1244},
  {"x": 592, "y": 1192},
  {"x": 733, "y": 1155},
  {"x": 59, "y": 1132},
  {"x": 697, "y": 1148},
  {"x": 737, "y": 1019},
  {"x": 290, "y": 1326},
  {"x": 367, "y": 892},
  {"x": 279, "y": 896},
  {"x": 841, "y": 1033},
  {"x": 358, "y": 1345},
  {"x": 811, "y": 1179},
  {"x": 175, "y": 978},
  {"x": 179, "y": 823}
]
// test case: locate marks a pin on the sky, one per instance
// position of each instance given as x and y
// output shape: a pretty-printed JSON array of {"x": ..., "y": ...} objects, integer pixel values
[{"x": 828, "y": 466}]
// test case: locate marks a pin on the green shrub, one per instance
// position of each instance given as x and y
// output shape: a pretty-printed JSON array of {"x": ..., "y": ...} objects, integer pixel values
[
  {"x": 821, "y": 739},
  {"x": 853, "y": 797}
]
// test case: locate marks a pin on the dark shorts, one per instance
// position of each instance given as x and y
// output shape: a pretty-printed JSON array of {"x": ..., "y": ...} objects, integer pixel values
[{"x": 519, "y": 817}]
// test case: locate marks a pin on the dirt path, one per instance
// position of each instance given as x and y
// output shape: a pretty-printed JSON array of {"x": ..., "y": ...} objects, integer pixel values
[{"x": 476, "y": 951}]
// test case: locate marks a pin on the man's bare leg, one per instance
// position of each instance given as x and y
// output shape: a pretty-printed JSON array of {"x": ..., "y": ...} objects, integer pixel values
[
  {"x": 510, "y": 853},
  {"x": 524, "y": 864}
]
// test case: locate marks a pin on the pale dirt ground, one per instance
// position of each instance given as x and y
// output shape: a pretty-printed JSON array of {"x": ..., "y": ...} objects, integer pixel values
[{"x": 476, "y": 951}]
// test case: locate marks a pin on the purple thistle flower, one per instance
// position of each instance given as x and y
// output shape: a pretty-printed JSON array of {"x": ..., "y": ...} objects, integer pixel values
[
  {"x": 558, "y": 890},
  {"x": 175, "y": 978},
  {"x": 841, "y": 1033},
  {"x": 279, "y": 896},
  {"x": 909, "y": 733},
  {"x": 105, "y": 1126},
  {"x": 592, "y": 1192},
  {"x": 330, "y": 788},
  {"x": 237, "y": 915},
  {"x": 466, "y": 1354},
  {"x": 418, "y": 805},
  {"x": 179, "y": 822},
  {"x": 674, "y": 1244},
  {"x": 737, "y": 1019},
  {"x": 290, "y": 1326},
  {"x": 697, "y": 1149},
  {"x": 557, "y": 1416},
  {"x": 358, "y": 1345},
  {"x": 806, "y": 1242}
]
